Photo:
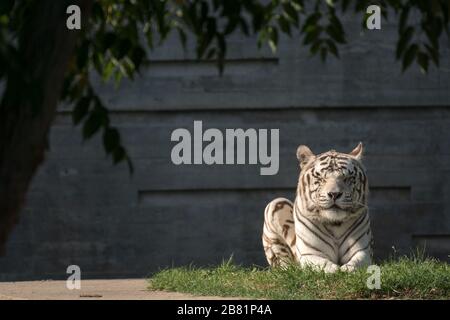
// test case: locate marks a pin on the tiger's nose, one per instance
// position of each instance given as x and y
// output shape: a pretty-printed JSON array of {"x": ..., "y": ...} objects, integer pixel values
[{"x": 334, "y": 195}]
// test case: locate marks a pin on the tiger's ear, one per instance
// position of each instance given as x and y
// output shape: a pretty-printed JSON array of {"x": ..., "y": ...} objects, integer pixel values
[
  {"x": 304, "y": 155},
  {"x": 358, "y": 151}
]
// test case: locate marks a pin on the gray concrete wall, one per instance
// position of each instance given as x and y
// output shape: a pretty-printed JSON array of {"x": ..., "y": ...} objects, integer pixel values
[{"x": 82, "y": 210}]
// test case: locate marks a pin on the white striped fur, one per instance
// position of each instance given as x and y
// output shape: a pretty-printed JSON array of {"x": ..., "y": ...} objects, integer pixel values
[{"x": 328, "y": 225}]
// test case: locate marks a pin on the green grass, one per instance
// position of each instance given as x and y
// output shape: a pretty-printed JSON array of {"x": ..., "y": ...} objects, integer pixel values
[{"x": 405, "y": 278}]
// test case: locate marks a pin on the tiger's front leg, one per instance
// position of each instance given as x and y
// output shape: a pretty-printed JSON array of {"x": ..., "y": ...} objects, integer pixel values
[
  {"x": 357, "y": 253},
  {"x": 318, "y": 263},
  {"x": 360, "y": 259}
]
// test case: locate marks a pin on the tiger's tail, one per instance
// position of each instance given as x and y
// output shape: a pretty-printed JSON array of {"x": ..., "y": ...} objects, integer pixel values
[{"x": 279, "y": 233}]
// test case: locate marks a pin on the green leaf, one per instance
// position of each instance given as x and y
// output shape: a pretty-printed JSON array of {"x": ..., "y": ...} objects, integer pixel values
[
  {"x": 315, "y": 47},
  {"x": 83, "y": 55},
  {"x": 423, "y": 61},
  {"x": 257, "y": 21},
  {"x": 130, "y": 165},
  {"x": 284, "y": 24},
  {"x": 333, "y": 48},
  {"x": 204, "y": 10},
  {"x": 96, "y": 119},
  {"x": 97, "y": 61},
  {"x": 211, "y": 27},
  {"x": 204, "y": 41},
  {"x": 336, "y": 24},
  {"x": 312, "y": 34},
  {"x": 6, "y": 6},
  {"x": 403, "y": 19},
  {"x": 291, "y": 12},
  {"x": 137, "y": 56},
  {"x": 433, "y": 53},
  {"x": 118, "y": 75},
  {"x": 409, "y": 57},
  {"x": 273, "y": 39},
  {"x": 345, "y": 4},
  {"x": 404, "y": 40},
  {"x": 323, "y": 53},
  {"x": 149, "y": 37},
  {"x": 335, "y": 34},
  {"x": 107, "y": 70},
  {"x": 244, "y": 26},
  {"x": 123, "y": 48},
  {"x": 231, "y": 25},
  {"x": 432, "y": 36},
  {"x": 97, "y": 11},
  {"x": 311, "y": 20},
  {"x": 119, "y": 154},
  {"x": 111, "y": 139},
  {"x": 330, "y": 3},
  {"x": 183, "y": 38},
  {"x": 108, "y": 40},
  {"x": 298, "y": 4},
  {"x": 211, "y": 53},
  {"x": 222, "y": 45},
  {"x": 81, "y": 109},
  {"x": 91, "y": 126}
]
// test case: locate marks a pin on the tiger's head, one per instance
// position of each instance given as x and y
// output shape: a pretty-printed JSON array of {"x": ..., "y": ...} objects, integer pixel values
[{"x": 333, "y": 186}]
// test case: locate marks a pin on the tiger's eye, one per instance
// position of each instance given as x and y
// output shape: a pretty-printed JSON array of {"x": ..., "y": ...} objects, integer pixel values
[{"x": 349, "y": 180}]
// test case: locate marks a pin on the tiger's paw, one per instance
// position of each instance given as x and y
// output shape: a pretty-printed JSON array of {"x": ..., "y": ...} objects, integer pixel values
[
  {"x": 331, "y": 268},
  {"x": 348, "y": 268}
]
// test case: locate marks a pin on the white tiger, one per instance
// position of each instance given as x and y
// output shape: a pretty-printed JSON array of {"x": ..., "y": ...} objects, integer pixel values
[{"x": 328, "y": 225}]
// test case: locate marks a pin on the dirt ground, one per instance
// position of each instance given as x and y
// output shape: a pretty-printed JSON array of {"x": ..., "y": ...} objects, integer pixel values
[{"x": 123, "y": 289}]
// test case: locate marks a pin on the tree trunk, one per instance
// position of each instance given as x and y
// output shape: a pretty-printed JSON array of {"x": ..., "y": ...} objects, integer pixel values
[{"x": 46, "y": 46}]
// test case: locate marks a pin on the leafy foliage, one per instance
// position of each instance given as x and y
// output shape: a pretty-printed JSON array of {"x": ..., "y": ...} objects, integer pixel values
[{"x": 119, "y": 35}]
